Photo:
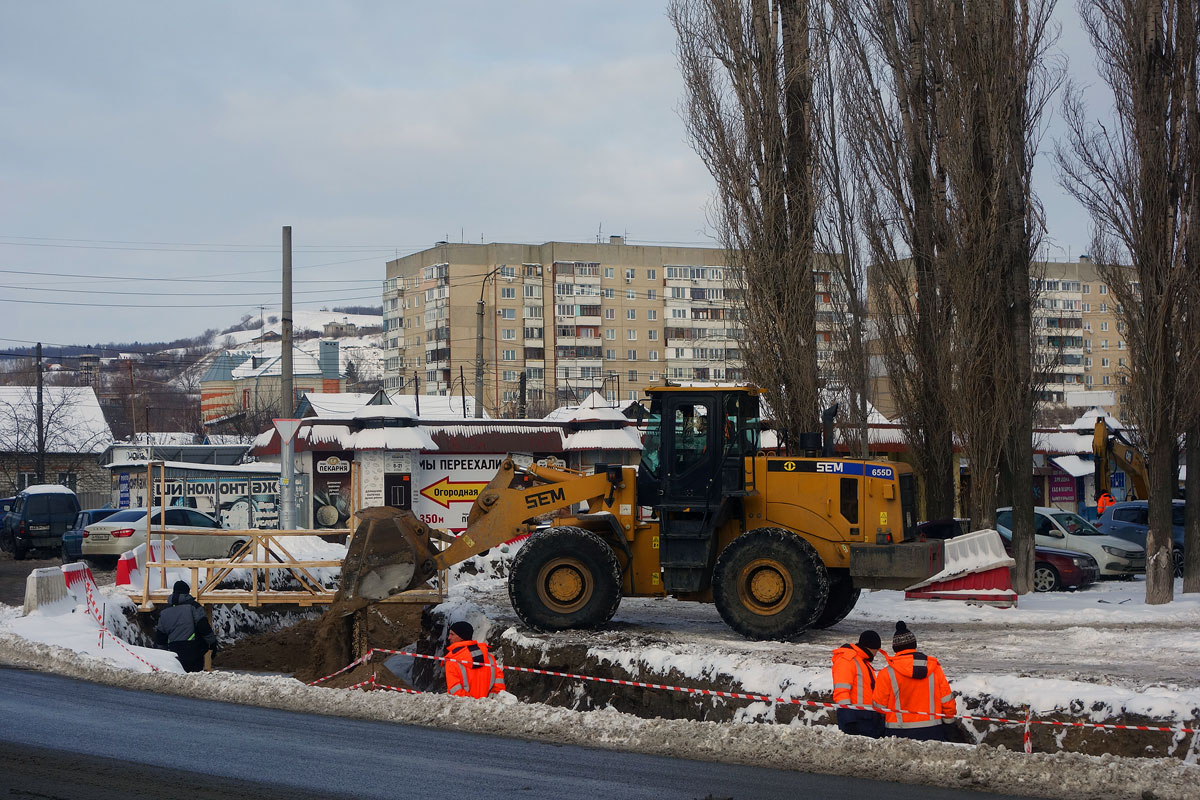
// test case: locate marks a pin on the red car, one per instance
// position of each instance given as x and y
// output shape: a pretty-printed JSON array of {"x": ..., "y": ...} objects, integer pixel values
[{"x": 1056, "y": 569}]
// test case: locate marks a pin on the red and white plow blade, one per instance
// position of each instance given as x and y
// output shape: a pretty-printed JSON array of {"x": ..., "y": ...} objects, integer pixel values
[{"x": 977, "y": 570}]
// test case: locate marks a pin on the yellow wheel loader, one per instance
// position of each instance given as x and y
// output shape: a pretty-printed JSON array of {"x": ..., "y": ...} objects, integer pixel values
[{"x": 779, "y": 544}]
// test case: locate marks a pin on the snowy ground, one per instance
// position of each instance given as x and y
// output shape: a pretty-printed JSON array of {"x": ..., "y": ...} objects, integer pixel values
[{"x": 1102, "y": 650}]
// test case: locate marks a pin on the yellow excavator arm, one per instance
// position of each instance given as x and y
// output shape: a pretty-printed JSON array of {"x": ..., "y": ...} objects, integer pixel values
[
  {"x": 1111, "y": 450},
  {"x": 393, "y": 551}
]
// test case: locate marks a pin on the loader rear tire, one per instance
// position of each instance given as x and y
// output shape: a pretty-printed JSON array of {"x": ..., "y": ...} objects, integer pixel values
[
  {"x": 842, "y": 599},
  {"x": 565, "y": 577},
  {"x": 769, "y": 583}
]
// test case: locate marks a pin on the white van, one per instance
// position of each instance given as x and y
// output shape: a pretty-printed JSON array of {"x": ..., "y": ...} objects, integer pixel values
[{"x": 1069, "y": 531}]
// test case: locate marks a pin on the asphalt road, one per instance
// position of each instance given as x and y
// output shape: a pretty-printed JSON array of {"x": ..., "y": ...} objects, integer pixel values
[{"x": 63, "y": 738}]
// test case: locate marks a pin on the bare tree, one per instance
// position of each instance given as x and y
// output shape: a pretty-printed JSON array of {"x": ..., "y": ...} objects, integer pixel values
[
  {"x": 1189, "y": 26},
  {"x": 838, "y": 234},
  {"x": 75, "y": 439},
  {"x": 747, "y": 73},
  {"x": 890, "y": 69},
  {"x": 1134, "y": 179}
]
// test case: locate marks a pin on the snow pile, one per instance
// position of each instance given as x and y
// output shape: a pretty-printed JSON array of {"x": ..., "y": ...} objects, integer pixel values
[{"x": 799, "y": 748}]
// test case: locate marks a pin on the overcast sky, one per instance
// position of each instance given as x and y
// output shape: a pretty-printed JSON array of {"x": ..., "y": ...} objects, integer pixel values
[{"x": 169, "y": 140}]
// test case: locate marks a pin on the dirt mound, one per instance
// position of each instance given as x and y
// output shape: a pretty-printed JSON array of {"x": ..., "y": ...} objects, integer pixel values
[{"x": 315, "y": 648}]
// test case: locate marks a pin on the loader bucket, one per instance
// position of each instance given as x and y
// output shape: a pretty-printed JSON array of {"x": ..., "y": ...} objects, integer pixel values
[{"x": 389, "y": 553}]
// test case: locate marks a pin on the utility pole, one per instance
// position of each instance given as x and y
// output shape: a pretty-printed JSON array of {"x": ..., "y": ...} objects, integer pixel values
[
  {"x": 521, "y": 405},
  {"x": 287, "y": 466},
  {"x": 479, "y": 344},
  {"x": 132, "y": 411},
  {"x": 41, "y": 422},
  {"x": 287, "y": 400}
]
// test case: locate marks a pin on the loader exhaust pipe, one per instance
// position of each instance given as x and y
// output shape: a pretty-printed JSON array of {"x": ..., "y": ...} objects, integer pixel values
[{"x": 827, "y": 430}]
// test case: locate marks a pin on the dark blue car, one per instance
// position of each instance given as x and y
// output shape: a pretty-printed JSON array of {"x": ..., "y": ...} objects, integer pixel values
[
  {"x": 72, "y": 540},
  {"x": 1130, "y": 521}
]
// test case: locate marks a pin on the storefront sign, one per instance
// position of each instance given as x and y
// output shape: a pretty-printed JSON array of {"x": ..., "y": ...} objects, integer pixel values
[{"x": 1062, "y": 488}]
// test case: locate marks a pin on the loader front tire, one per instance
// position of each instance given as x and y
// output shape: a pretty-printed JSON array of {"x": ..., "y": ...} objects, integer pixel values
[
  {"x": 565, "y": 577},
  {"x": 769, "y": 583},
  {"x": 842, "y": 599}
]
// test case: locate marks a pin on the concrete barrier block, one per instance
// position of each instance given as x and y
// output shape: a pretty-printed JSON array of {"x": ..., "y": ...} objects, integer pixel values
[{"x": 44, "y": 587}]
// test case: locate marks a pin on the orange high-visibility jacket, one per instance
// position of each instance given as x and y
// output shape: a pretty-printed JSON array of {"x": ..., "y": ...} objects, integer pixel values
[
  {"x": 853, "y": 676},
  {"x": 1104, "y": 502},
  {"x": 913, "y": 683},
  {"x": 471, "y": 671}
]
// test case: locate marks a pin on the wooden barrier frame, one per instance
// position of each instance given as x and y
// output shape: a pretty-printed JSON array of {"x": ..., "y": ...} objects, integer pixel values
[{"x": 267, "y": 542}]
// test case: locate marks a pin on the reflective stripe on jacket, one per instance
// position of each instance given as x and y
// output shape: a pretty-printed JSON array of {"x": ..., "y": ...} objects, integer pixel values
[
  {"x": 853, "y": 676},
  {"x": 472, "y": 671},
  {"x": 911, "y": 689}
]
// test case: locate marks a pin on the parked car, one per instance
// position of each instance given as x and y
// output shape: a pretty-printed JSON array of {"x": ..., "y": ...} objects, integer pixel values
[
  {"x": 1056, "y": 528},
  {"x": 39, "y": 516},
  {"x": 106, "y": 540},
  {"x": 1056, "y": 569},
  {"x": 6, "y": 505},
  {"x": 1130, "y": 521},
  {"x": 72, "y": 540}
]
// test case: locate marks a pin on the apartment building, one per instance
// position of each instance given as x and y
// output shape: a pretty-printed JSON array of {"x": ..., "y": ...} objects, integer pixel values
[
  {"x": 1080, "y": 337},
  {"x": 573, "y": 317}
]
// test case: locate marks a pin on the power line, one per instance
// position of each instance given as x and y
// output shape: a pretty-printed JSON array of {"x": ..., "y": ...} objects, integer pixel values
[
  {"x": 325, "y": 292},
  {"x": 209, "y": 279},
  {"x": 169, "y": 305}
]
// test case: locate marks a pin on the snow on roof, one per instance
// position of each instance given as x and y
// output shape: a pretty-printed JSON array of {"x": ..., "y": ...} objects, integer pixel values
[
  {"x": 1087, "y": 421},
  {"x": 1074, "y": 466},
  {"x": 265, "y": 467},
  {"x": 594, "y": 408},
  {"x": 382, "y": 412},
  {"x": 332, "y": 404},
  {"x": 47, "y": 488},
  {"x": 163, "y": 438},
  {"x": 435, "y": 406},
  {"x": 410, "y": 438},
  {"x": 1062, "y": 442},
  {"x": 618, "y": 439},
  {"x": 73, "y": 420},
  {"x": 324, "y": 434},
  {"x": 228, "y": 439}
]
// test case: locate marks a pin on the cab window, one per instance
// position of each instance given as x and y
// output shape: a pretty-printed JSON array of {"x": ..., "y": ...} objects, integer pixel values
[{"x": 849, "y": 497}]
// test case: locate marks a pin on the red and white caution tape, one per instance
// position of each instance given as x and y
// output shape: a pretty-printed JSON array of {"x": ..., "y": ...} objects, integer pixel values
[
  {"x": 1028, "y": 741},
  {"x": 95, "y": 611},
  {"x": 1028, "y": 721}
]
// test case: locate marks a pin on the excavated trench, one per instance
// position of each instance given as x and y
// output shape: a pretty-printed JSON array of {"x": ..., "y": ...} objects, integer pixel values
[{"x": 318, "y": 646}]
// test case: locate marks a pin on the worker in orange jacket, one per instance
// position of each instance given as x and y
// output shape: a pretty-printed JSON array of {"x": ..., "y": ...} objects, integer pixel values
[
  {"x": 1103, "y": 502},
  {"x": 913, "y": 693},
  {"x": 471, "y": 671},
  {"x": 854, "y": 685}
]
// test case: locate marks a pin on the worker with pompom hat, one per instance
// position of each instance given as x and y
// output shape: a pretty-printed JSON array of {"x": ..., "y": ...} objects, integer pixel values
[
  {"x": 913, "y": 693},
  {"x": 183, "y": 628}
]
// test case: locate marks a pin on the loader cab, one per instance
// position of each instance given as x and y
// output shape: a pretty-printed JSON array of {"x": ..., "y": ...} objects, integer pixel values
[{"x": 695, "y": 445}]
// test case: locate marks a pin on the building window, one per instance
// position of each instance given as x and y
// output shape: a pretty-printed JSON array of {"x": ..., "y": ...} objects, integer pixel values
[
  {"x": 631, "y": 335},
  {"x": 533, "y": 290},
  {"x": 510, "y": 375},
  {"x": 652, "y": 314},
  {"x": 1104, "y": 362},
  {"x": 609, "y": 293},
  {"x": 508, "y": 313},
  {"x": 1104, "y": 380},
  {"x": 1104, "y": 308},
  {"x": 631, "y": 355},
  {"x": 1104, "y": 288},
  {"x": 610, "y": 313},
  {"x": 631, "y": 313},
  {"x": 631, "y": 294},
  {"x": 1087, "y": 288},
  {"x": 1120, "y": 345},
  {"x": 1103, "y": 326},
  {"x": 679, "y": 313},
  {"x": 608, "y": 272},
  {"x": 533, "y": 312},
  {"x": 508, "y": 292},
  {"x": 25, "y": 480},
  {"x": 610, "y": 334},
  {"x": 533, "y": 333},
  {"x": 652, "y": 335},
  {"x": 630, "y": 274},
  {"x": 610, "y": 355},
  {"x": 632, "y": 375},
  {"x": 653, "y": 356},
  {"x": 652, "y": 274},
  {"x": 508, "y": 333},
  {"x": 508, "y": 355}
]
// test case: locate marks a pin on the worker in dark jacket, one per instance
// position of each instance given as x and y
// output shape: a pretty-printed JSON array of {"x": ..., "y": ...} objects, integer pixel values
[
  {"x": 183, "y": 628},
  {"x": 471, "y": 671},
  {"x": 854, "y": 685},
  {"x": 913, "y": 692}
]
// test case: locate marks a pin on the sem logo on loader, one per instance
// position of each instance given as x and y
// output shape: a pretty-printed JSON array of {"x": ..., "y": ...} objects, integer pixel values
[
  {"x": 544, "y": 498},
  {"x": 831, "y": 467}
]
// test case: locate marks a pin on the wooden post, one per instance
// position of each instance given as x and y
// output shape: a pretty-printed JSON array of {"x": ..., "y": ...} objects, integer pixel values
[
  {"x": 146, "y": 604},
  {"x": 208, "y": 653},
  {"x": 162, "y": 520}
]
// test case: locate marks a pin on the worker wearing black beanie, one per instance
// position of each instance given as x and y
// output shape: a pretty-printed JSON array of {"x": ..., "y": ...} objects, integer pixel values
[
  {"x": 854, "y": 686},
  {"x": 913, "y": 693}
]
